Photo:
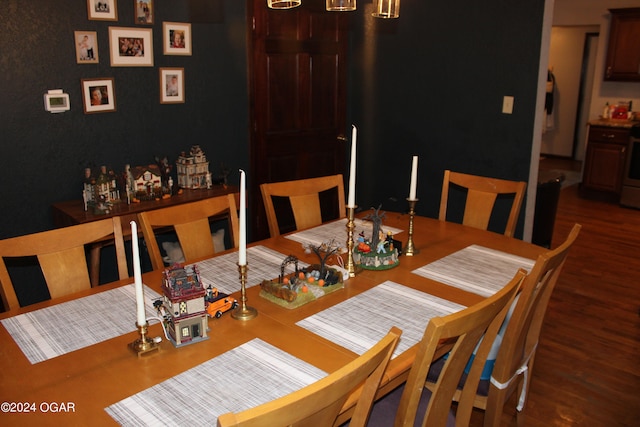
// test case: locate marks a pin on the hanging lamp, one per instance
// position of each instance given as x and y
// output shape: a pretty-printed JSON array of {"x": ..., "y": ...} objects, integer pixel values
[
  {"x": 283, "y": 4},
  {"x": 341, "y": 5},
  {"x": 386, "y": 9}
]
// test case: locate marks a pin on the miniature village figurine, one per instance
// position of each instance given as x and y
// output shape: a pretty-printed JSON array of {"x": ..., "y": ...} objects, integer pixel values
[
  {"x": 192, "y": 169},
  {"x": 380, "y": 252}
]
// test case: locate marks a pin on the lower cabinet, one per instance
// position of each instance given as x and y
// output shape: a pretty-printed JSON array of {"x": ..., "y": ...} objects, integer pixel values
[{"x": 605, "y": 161}]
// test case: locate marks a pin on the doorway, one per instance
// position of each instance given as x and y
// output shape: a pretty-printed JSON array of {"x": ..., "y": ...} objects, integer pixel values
[
  {"x": 572, "y": 56},
  {"x": 297, "y": 90}
]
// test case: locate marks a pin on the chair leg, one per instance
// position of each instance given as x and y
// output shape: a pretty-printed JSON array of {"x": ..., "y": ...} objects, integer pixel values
[{"x": 495, "y": 406}]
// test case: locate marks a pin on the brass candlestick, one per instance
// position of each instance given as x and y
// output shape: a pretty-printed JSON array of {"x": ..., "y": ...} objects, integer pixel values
[
  {"x": 243, "y": 312},
  {"x": 351, "y": 226},
  {"x": 144, "y": 344},
  {"x": 410, "y": 251}
]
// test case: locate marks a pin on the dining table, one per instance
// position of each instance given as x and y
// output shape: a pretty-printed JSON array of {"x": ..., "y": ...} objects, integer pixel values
[{"x": 68, "y": 361}]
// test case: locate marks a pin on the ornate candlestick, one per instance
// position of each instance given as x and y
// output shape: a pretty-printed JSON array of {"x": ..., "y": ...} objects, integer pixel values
[
  {"x": 144, "y": 344},
  {"x": 243, "y": 312},
  {"x": 351, "y": 226},
  {"x": 410, "y": 250}
]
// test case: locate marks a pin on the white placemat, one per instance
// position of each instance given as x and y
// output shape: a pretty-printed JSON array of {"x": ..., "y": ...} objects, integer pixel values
[
  {"x": 337, "y": 231},
  {"x": 222, "y": 271},
  {"x": 60, "y": 329},
  {"x": 361, "y": 321},
  {"x": 247, "y": 376},
  {"x": 476, "y": 269}
]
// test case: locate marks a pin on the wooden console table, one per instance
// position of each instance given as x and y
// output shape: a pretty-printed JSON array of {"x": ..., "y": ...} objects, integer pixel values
[{"x": 72, "y": 213}]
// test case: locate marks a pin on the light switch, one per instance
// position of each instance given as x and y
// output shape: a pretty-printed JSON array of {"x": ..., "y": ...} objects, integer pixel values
[{"x": 507, "y": 105}]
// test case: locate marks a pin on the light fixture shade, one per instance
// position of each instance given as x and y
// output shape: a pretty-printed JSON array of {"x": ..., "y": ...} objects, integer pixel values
[
  {"x": 341, "y": 5},
  {"x": 386, "y": 8},
  {"x": 283, "y": 4}
]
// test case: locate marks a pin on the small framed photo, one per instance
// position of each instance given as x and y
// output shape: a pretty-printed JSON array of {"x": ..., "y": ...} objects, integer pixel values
[
  {"x": 144, "y": 11},
  {"x": 102, "y": 10},
  {"x": 98, "y": 95},
  {"x": 131, "y": 47},
  {"x": 171, "y": 85},
  {"x": 86, "y": 47},
  {"x": 176, "y": 38}
]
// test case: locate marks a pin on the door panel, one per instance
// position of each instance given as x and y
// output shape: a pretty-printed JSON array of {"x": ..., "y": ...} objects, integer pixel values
[{"x": 298, "y": 96}]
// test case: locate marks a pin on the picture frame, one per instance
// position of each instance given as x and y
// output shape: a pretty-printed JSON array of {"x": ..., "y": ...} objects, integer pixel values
[
  {"x": 171, "y": 85},
  {"x": 98, "y": 95},
  {"x": 131, "y": 47},
  {"x": 102, "y": 10},
  {"x": 86, "y": 43},
  {"x": 176, "y": 38},
  {"x": 144, "y": 11}
]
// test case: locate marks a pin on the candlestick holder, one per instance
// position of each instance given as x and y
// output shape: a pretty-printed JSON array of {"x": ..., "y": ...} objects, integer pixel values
[
  {"x": 144, "y": 344},
  {"x": 410, "y": 250},
  {"x": 243, "y": 312},
  {"x": 351, "y": 226}
]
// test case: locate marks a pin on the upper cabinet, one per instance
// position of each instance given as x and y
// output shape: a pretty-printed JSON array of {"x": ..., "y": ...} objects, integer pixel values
[{"x": 623, "y": 54}]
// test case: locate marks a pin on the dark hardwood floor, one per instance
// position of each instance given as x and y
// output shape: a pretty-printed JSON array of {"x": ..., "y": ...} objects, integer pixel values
[{"x": 587, "y": 368}]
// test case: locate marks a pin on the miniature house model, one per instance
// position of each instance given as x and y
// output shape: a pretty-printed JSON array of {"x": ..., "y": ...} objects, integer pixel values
[
  {"x": 147, "y": 180},
  {"x": 186, "y": 318},
  {"x": 193, "y": 169}
]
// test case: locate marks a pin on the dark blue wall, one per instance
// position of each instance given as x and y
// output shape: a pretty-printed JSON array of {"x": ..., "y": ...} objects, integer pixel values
[
  {"x": 431, "y": 83},
  {"x": 43, "y": 155}
]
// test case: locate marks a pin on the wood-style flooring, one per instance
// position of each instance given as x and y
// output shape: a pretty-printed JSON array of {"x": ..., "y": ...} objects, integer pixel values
[{"x": 587, "y": 368}]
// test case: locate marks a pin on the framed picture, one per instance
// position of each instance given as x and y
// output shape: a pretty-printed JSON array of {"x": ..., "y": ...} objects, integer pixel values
[
  {"x": 144, "y": 11},
  {"x": 131, "y": 47},
  {"x": 86, "y": 47},
  {"x": 98, "y": 95},
  {"x": 102, "y": 10},
  {"x": 171, "y": 85},
  {"x": 176, "y": 38}
]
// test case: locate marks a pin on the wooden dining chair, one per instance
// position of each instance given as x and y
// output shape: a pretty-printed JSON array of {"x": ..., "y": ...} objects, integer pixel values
[
  {"x": 62, "y": 257},
  {"x": 319, "y": 404},
  {"x": 304, "y": 197},
  {"x": 481, "y": 196},
  {"x": 515, "y": 351},
  {"x": 191, "y": 224},
  {"x": 412, "y": 402}
]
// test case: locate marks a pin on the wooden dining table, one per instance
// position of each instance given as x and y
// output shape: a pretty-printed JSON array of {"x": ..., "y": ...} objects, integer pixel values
[{"x": 76, "y": 387}]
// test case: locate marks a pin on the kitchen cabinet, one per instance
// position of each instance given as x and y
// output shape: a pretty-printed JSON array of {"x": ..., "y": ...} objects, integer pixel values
[
  {"x": 605, "y": 161},
  {"x": 623, "y": 53}
]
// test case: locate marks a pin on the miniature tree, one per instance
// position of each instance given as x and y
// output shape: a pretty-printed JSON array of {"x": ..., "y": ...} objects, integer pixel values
[
  {"x": 323, "y": 252},
  {"x": 376, "y": 218}
]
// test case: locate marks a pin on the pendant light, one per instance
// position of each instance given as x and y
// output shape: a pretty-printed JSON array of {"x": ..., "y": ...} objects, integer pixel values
[
  {"x": 283, "y": 4},
  {"x": 386, "y": 8},
  {"x": 341, "y": 5}
]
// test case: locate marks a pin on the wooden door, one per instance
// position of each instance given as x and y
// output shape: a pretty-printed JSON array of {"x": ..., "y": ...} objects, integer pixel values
[{"x": 297, "y": 79}]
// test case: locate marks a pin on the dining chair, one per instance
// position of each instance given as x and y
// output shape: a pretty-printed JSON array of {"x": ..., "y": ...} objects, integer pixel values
[
  {"x": 191, "y": 224},
  {"x": 514, "y": 352},
  {"x": 319, "y": 404},
  {"x": 481, "y": 196},
  {"x": 61, "y": 256},
  {"x": 413, "y": 404},
  {"x": 304, "y": 197}
]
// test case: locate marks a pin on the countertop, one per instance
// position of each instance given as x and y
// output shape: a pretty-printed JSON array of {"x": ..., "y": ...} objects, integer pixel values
[{"x": 627, "y": 124}]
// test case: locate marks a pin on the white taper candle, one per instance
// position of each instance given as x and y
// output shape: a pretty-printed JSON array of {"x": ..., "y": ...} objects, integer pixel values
[
  {"x": 242, "y": 246},
  {"x": 414, "y": 178},
  {"x": 351, "y": 201},
  {"x": 141, "y": 316}
]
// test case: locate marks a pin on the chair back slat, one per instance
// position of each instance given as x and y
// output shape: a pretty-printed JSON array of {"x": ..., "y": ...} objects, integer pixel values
[
  {"x": 61, "y": 256},
  {"x": 304, "y": 197},
  {"x": 482, "y": 193},
  {"x": 191, "y": 224}
]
